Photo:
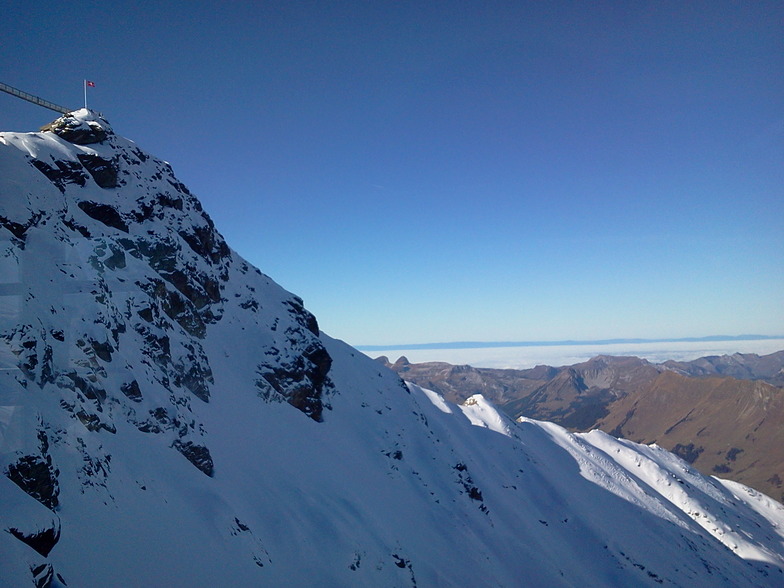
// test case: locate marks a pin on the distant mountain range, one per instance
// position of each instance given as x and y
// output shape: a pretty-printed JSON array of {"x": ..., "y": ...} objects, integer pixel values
[
  {"x": 722, "y": 414},
  {"x": 491, "y": 344}
]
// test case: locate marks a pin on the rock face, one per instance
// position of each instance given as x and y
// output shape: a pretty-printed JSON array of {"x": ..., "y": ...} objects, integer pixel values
[
  {"x": 78, "y": 129},
  {"x": 35, "y": 476},
  {"x": 170, "y": 416},
  {"x": 118, "y": 273}
]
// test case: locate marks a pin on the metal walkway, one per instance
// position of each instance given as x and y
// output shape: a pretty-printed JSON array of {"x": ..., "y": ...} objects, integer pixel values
[{"x": 34, "y": 99}]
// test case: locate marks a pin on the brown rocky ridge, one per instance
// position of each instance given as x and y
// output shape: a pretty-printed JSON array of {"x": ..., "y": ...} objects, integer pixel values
[{"x": 723, "y": 414}]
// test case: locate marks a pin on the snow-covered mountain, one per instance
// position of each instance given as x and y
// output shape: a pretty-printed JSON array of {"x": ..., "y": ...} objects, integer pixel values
[{"x": 169, "y": 416}]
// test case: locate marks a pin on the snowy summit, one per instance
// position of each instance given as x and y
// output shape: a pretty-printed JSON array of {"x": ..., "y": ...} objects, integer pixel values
[{"x": 170, "y": 416}]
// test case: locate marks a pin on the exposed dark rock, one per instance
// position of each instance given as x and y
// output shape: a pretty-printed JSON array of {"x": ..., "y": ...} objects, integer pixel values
[
  {"x": 195, "y": 374},
  {"x": 180, "y": 187},
  {"x": 157, "y": 347},
  {"x": 65, "y": 172},
  {"x": 161, "y": 253},
  {"x": 75, "y": 131},
  {"x": 25, "y": 344},
  {"x": 132, "y": 391},
  {"x": 306, "y": 399},
  {"x": 356, "y": 563},
  {"x": 184, "y": 282},
  {"x": 250, "y": 304},
  {"x": 198, "y": 455},
  {"x": 34, "y": 354},
  {"x": 147, "y": 427},
  {"x": 102, "y": 349},
  {"x": 473, "y": 492},
  {"x": 74, "y": 226},
  {"x": 318, "y": 355},
  {"x": 42, "y": 540},
  {"x": 687, "y": 452},
  {"x": 93, "y": 422},
  {"x": 154, "y": 209},
  {"x": 16, "y": 229},
  {"x": 199, "y": 288},
  {"x": 104, "y": 213},
  {"x": 161, "y": 415},
  {"x": 116, "y": 260},
  {"x": 174, "y": 305},
  {"x": 302, "y": 379},
  {"x": 140, "y": 154},
  {"x": 35, "y": 475},
  {"x": 95, "y": 467},
  {"x": 90, "y": 390},
  {"x": 43, "y": 575},
  {"x": 104, "y": 171},
  {"x": 404, "y": 563},
  {"x": 303, "y": 317},
  {"x": 205, "y": 242}
]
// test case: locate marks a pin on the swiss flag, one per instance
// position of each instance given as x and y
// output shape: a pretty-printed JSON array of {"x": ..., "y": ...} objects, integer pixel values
[{"x": 89, "y": 84}]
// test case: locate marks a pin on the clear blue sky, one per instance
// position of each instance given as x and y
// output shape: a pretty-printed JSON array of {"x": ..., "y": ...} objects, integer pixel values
[{"x": 440, "y": 171}]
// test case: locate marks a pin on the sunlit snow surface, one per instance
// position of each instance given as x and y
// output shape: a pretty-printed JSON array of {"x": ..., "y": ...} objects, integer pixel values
[
  {"x": 396, "y": 487},
  {"x": 657, "y": 480}
]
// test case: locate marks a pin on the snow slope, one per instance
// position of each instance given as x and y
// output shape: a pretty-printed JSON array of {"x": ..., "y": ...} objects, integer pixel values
[{"x": 171, "y": 416}]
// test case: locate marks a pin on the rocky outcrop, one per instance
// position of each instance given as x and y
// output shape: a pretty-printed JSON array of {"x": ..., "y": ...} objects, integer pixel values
[
  {"x": 78, "y": 130},
  {"x": 301, "y": 380},
  {"x": 19, "y": 229},
  {"x": 198, "y": 455},
  {"x": 132, "y": 280},
  {"x": 43, "y": 575},
  {"x": 61, "y": 172},
  {"x": 36, "y": 476},
  {"x": 181, "y": 264},
  {"x": 104, "y": 213},
  {"x": 43, "y": 541},
  {"x": 30, "y": 523},
  {"x": 103, "y": 171}
]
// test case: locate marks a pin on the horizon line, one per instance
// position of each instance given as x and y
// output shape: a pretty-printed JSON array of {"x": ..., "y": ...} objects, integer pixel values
[{"x": 491, "y": 344}]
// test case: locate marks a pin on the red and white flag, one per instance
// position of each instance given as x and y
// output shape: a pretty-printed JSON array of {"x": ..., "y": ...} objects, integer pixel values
[{"x": 89, "y": 84}]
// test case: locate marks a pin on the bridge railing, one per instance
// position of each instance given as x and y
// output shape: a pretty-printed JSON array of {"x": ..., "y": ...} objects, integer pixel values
[{"x": 34, "y": 99}]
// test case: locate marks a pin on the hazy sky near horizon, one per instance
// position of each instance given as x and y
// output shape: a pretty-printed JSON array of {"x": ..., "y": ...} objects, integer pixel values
[{"x": 441, "y": 171}]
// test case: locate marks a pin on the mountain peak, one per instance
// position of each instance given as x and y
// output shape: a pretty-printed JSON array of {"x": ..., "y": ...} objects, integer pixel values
[
  {"x": 81, "y": 127},
  {"x": 163, "y": 401}
]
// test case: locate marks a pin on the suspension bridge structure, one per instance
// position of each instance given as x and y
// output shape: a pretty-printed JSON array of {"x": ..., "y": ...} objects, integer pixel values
[{"x": 34, "y": 99}]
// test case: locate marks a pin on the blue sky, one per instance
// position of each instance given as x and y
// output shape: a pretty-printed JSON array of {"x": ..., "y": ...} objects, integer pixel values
[{"x": 441, "y": 171}]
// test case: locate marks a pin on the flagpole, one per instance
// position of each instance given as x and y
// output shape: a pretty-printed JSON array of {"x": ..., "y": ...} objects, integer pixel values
[{"x": 85, "y": 94}]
